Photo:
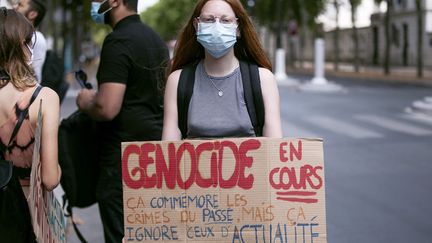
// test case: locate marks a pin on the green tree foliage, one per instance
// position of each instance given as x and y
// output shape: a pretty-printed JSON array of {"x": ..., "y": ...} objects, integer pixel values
[
  {"x": 167, "y": 17},
  {"x": 276, "y": 14},
  {"x": 271, "y": 12}
]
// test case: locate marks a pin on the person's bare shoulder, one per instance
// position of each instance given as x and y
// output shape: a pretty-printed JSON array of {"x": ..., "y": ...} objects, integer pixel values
[
  {"x": 49, "y": 94},
  {"x": 49, "y": 98},
  {"x": 266, "y": 75},
  {"x": 174, "y": 77}
]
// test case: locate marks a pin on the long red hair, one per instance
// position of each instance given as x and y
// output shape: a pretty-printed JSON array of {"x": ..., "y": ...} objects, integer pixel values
[{"x": 247, "y": 48}]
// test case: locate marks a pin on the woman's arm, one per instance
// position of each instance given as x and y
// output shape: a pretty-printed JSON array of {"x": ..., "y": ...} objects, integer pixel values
[
  {"x": 50, "y": 170},
  {"x": 272, "y": 123},
  {"x": 171, "y": 130}
]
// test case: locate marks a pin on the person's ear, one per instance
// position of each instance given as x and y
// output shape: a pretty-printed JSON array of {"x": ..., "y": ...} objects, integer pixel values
[
  {"x": 195, "y": 24},
  {"x": 115, "y": 3},
  {"x": 32, "y": 15}
]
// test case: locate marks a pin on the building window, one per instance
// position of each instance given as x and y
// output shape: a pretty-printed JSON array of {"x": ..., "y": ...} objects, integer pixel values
[
  {"x": 402, "y": 4},
  {"x": 395, "y": 35}
]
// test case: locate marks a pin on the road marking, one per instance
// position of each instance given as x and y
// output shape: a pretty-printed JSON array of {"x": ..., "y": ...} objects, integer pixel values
[
  {"x": 344, "y": 128},
  {"x": 394, "y": 125},
  {"x": 426, "y": 119},
  {"x": 294, "y": 131}
]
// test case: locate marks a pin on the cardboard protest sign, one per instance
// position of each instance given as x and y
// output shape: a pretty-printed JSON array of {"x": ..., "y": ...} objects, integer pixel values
[
  {"x": 46, "y": 211},
  {"x": 226, "y": 190}
]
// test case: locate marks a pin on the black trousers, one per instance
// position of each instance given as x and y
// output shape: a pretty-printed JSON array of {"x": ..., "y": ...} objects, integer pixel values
[{"x": 110, "y": 199}]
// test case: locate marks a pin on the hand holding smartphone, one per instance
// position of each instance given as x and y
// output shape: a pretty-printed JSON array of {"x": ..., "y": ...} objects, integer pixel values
[{"x": 81, "y": 78}]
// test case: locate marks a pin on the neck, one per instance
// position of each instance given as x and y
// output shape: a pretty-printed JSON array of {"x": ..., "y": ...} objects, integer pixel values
[
  {"x": 222, "y": 66},
  {"x": 117, "y": 16}
]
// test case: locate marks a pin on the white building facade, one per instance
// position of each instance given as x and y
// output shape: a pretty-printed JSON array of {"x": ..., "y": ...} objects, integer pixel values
[{"x": 403, "y": 37}]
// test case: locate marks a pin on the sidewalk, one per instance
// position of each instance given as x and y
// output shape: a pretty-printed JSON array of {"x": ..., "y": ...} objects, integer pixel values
[{"x": 403, "y": 75}]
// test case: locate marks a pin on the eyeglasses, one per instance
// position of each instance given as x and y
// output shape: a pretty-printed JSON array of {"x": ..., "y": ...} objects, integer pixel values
[{"x": 212, "y": 19}]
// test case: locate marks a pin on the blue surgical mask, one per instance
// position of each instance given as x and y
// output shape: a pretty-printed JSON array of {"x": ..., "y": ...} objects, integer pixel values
[
  {"x": 217, "y": 38},
  {"x": 99, "y": 18}
]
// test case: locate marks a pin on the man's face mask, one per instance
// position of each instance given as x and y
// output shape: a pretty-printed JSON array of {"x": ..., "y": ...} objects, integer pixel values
[{"x": 97, "y": 17}]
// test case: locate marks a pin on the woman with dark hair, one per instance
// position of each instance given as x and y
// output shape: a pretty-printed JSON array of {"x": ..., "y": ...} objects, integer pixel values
[
  {"x": 18, "y": 86},
  {"x": 217, "y": 36}
]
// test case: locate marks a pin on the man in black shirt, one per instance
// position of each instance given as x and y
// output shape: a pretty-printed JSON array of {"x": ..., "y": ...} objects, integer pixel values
[{"x": 128, "y": 103}]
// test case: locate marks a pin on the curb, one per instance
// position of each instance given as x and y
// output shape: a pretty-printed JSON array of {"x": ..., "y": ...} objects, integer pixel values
[{"x": 369, "y": 76}]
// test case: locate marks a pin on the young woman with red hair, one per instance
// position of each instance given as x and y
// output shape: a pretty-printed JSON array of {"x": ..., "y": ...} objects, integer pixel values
[{"x": 219, "y": 35}]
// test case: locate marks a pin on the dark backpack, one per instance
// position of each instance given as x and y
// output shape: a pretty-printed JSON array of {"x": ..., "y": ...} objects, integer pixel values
[
  {"x": 79, "y": 161},
  {"x": 53, "y": 74},
  {"x": 252, "y": 94}
]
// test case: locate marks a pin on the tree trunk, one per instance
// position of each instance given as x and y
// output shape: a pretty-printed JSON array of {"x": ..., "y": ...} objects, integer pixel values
[
  {"x": 419, "y": 8},
  {"x": 65, "y": 27},
  {"x": 292, "y": 51},
  {"x": 302, "y": 45},
  {"x": 279, "y": 25},
  {"x": 279, "y": 37},
  {"x": 302, "y": 34},
  {"x": 375, "y": 34},
  {"x": 355, "y": 38},
  {"x": 76, "y": 34},
  {"x": 53, "y": 24},
  {"x": 336, "y": 37},
  {"x": 387, "y": 38}
]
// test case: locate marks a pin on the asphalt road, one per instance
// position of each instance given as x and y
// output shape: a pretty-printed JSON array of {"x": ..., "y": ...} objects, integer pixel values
[{"x": 378, "y": 160}]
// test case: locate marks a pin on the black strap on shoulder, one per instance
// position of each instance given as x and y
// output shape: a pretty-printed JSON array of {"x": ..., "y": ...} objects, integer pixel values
[
  {"x": 258, "y": 97},
  {"x": 22, "y": 115},
  {"x": 252, "y": 92},
  {"x": 70, "y": 214},
  {"x": 253, "y": 95},
  {"x": 184, "y": 94}
]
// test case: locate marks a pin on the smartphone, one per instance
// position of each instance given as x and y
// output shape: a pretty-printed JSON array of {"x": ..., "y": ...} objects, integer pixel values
[{"x": 81, "y": 78}]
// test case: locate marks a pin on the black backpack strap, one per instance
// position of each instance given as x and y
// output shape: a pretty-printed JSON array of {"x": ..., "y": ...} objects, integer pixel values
[
  {"x": 22, "y": 115},
  {"x": 253, "y": 95},
  {"x": 184, "y": 95}
]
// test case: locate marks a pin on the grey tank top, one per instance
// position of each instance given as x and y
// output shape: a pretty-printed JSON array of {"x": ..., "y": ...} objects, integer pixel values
[{"x": 211, "y": 115}]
